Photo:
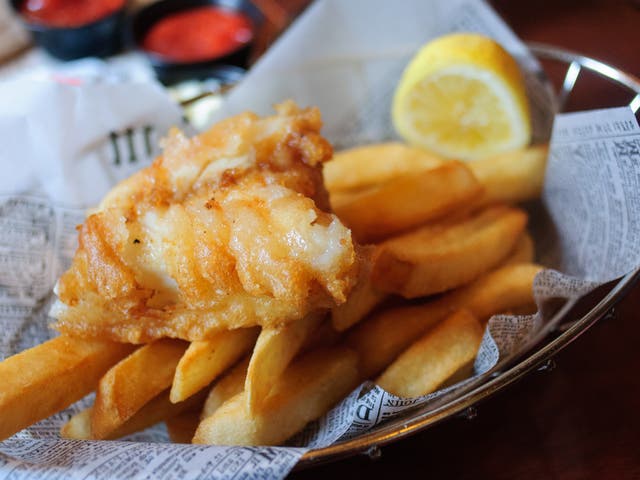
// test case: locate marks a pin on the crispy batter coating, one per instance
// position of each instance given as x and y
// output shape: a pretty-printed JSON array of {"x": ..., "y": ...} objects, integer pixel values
[{"x": 227, "y": 229}]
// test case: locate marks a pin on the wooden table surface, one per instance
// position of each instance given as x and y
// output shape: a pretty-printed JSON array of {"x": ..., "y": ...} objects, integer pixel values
[{"x": 581, "y": 420}]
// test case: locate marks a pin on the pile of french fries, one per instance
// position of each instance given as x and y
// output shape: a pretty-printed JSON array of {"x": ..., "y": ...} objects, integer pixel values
[{"x": 446, "y": 250}]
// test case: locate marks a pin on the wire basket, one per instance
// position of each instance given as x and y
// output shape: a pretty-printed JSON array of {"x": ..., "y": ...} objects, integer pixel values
[{"x": 569, "y": 321}]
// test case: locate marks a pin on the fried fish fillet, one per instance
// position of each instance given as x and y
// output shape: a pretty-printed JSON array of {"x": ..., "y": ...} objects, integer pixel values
[{"x": 228, "y": 229}]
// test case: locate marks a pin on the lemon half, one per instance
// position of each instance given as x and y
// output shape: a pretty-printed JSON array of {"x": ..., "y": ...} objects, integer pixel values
[{"x": 462, "y": 96}]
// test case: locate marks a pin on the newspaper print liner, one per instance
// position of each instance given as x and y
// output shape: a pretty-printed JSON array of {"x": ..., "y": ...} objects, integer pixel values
[{"x": 38, "y": 449}]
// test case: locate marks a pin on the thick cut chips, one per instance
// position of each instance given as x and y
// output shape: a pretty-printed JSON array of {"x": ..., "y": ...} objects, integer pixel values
[
  {"x": 439, "y": 257},
  {"x": 435, "y": 357},
  {"x": 205, "y": 360},
  {"x": 513, "y": 176},
  {"x": 273, "y": 352},
  {"x": 132, "y": 383},
  {"x": 231, "y": 230},
  {"x": 381, "y": 338},
  {"x": 363, "y": 297},
  {"x": 231, "y": 384},
  {"x": 406, "y": 201},
  {"x": 40, "y": 381},
  {"x": 364, "y": 167},
  {"x": 158, "y": 409},
  {"x": 523, "y": 252},
  {"x": 306, "y": 390}
]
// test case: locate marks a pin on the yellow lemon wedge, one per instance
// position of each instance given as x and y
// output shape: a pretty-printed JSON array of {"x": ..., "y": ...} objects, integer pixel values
[{"x": 462, "y": 96}]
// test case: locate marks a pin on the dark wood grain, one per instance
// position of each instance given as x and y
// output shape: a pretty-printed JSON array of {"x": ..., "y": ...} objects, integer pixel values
[{"x": 581, "y": 420}]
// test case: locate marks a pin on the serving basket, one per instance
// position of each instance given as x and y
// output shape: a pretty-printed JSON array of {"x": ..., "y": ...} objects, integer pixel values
[{"x": 567, "y": 321}]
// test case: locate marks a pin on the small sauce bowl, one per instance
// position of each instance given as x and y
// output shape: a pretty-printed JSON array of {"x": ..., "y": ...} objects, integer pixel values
[
  {"x": 207, "y": 48},
  {"x": 88, "y": 34}
]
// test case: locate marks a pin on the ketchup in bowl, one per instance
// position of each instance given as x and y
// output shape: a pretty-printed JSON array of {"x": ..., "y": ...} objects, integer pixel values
[
  {"x": 198, "y": 34},
  {"x": 67, "y": 13}
]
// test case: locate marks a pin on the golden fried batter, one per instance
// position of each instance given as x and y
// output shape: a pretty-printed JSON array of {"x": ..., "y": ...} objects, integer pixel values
[{"x": 224, "y": 230}]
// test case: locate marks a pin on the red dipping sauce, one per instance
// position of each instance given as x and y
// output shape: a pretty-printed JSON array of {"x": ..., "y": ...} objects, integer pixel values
[
  {"x": 198, "y": 34},
  {"x": 68, "y": 13}
]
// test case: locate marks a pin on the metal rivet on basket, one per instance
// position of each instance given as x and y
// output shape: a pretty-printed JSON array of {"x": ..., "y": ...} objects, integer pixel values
[
  {"x": 548, "y": 366},
  {"x": 470, "y": 413},
  {"x": 374, "y": 452},
  {"x": 610, "y": 315}
]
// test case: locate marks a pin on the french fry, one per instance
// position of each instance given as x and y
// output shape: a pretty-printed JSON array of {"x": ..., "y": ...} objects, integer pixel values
[
  {"x": 205, "y": 360},
  {"x": 509, "y": 287},
  {"x": 513, "y": 176},
  {"x": 132, "y": 383},
  {"x": 381, "y": 338},
  {"x": 309, "y": 387},
  {"x": 464, "y": 372},
  {"x": 274, "y": 350},
  {"x": 158, "y": 409},
  {"x": 363, "y": 167},
  {"x": 79, "y": 426},
  {"x": 228, "y": 386},
  {"x": 445, "y": 255},
  {"x": 435, "y": 357},
  {"x": 523, "y": 252},
  {"x": 45, "y": 379},
  {"x": 363, "y": 297},
  {"x": 391, "y": 207}
]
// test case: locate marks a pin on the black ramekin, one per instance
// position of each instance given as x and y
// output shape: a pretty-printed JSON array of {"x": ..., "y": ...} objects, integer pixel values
[
  {"x": 101, "y": 38},
  {"x": 169, "y": 72}
]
